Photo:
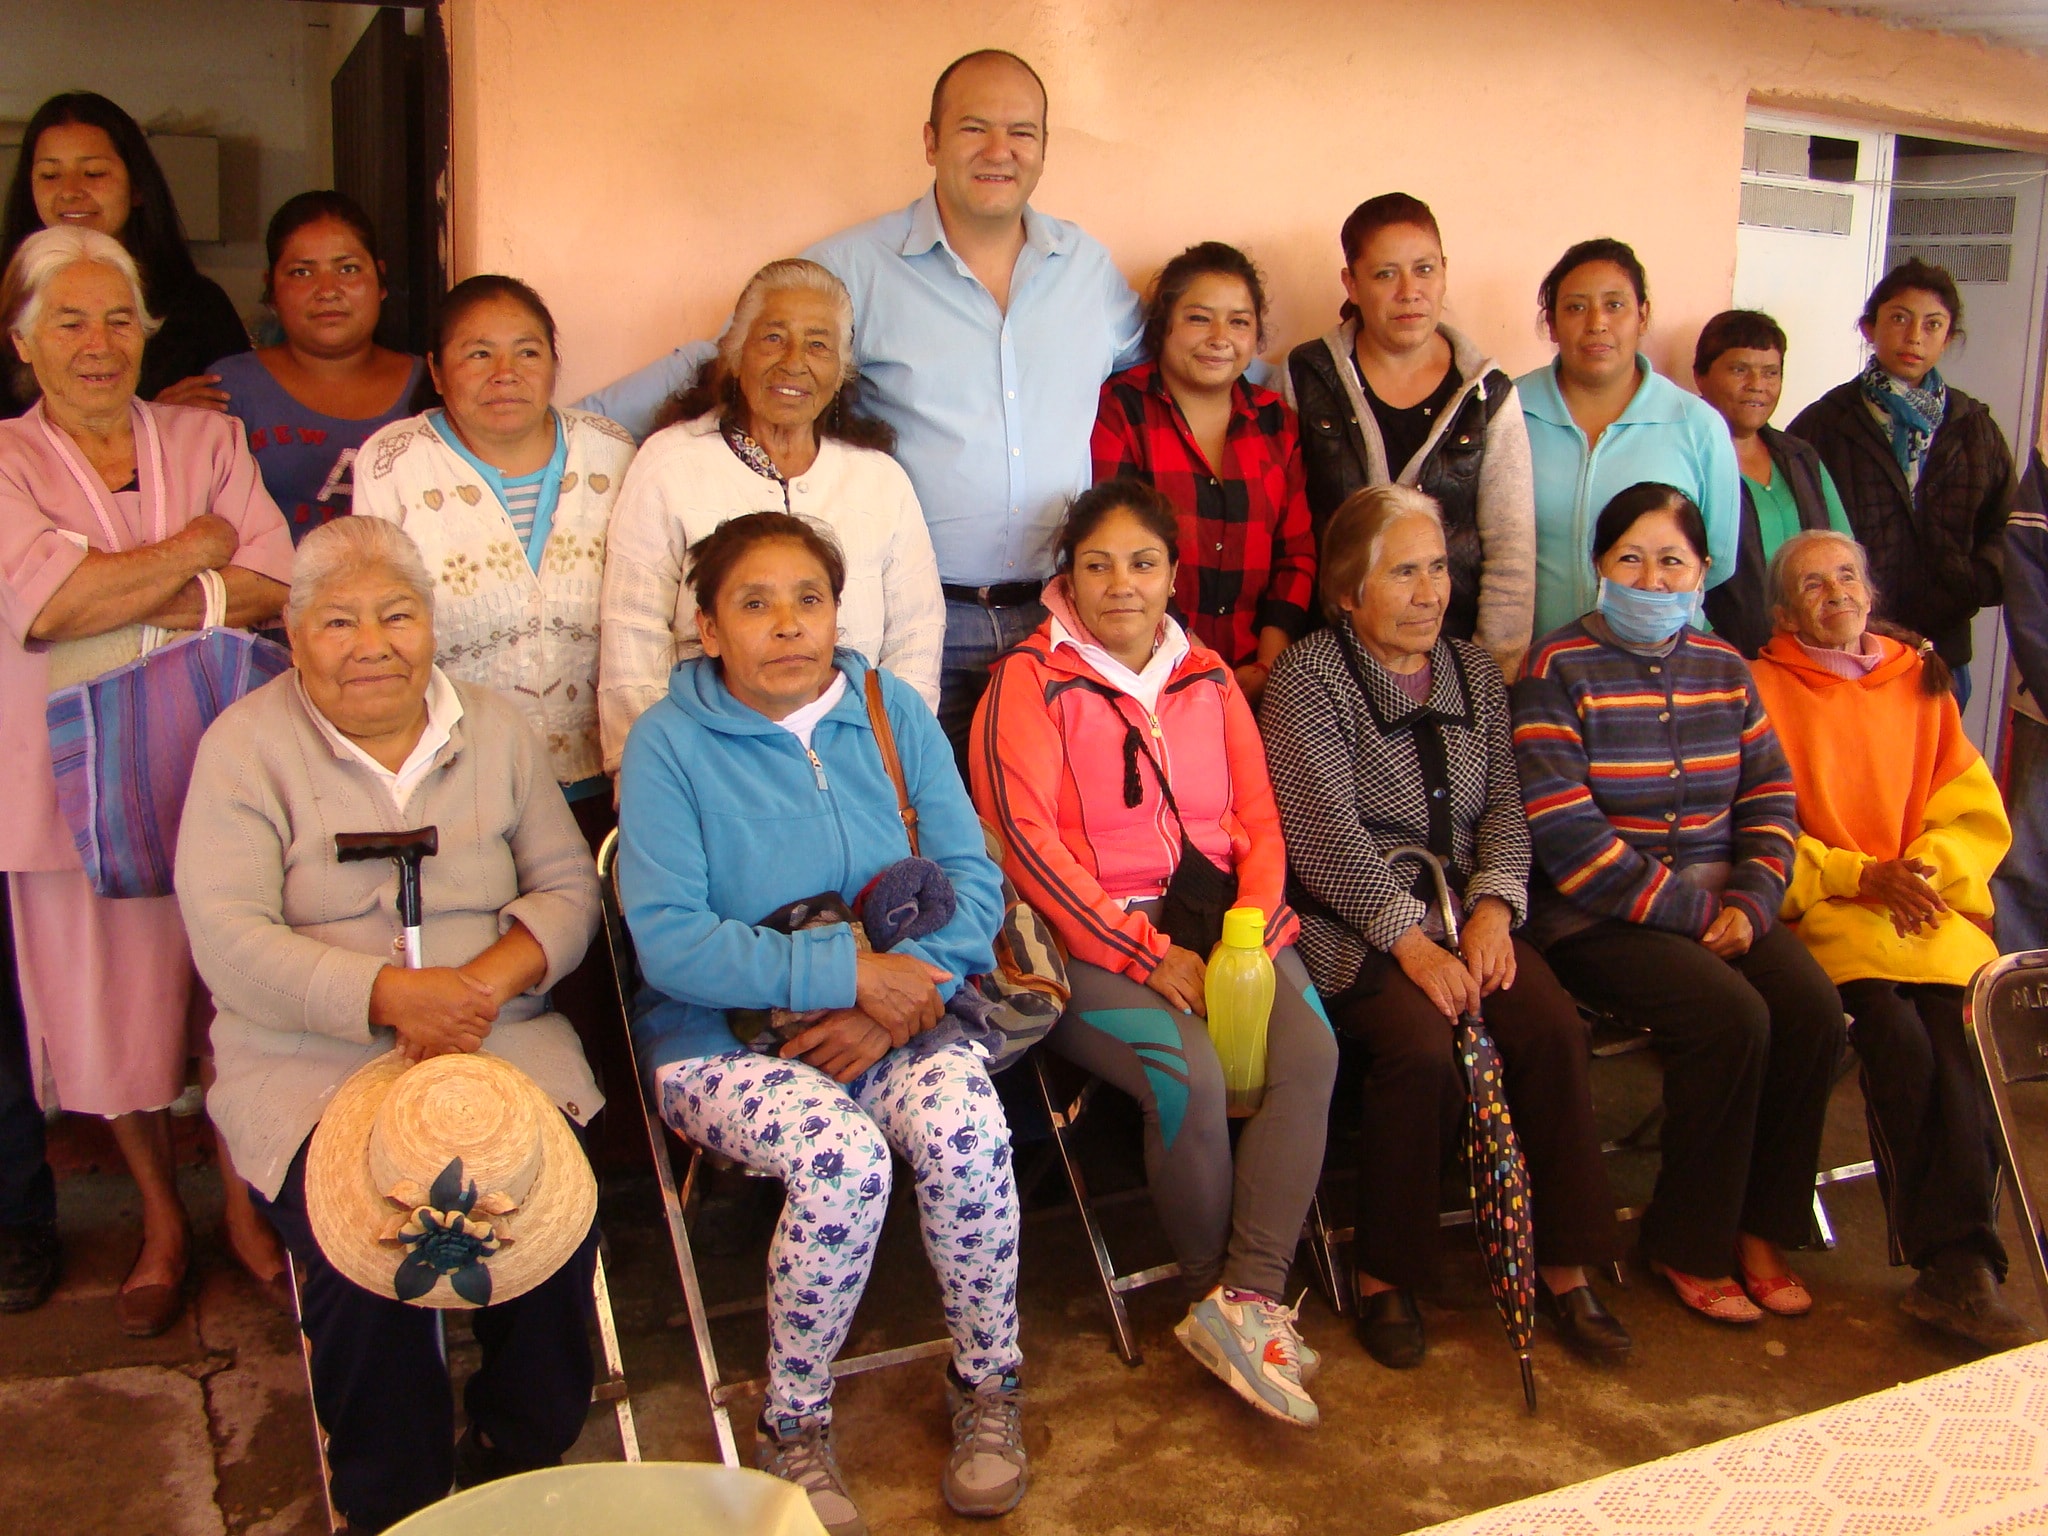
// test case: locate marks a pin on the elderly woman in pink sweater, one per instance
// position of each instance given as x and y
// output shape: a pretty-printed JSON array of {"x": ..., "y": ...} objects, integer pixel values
[{"x": 111, "y": 508}]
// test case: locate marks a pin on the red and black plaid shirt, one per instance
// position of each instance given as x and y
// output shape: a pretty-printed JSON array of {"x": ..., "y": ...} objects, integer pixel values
[{"x": 1247, "y": 555}]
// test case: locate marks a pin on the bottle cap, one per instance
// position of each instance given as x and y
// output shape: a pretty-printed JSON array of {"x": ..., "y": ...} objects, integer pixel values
[{"x": 1244, "y": 928}]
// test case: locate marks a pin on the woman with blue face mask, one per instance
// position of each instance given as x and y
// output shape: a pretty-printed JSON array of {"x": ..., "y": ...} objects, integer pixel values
[{"x": 1662, "y": 818}]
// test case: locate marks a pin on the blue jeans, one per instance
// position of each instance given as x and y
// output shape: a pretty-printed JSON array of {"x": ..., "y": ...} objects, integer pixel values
[
  {"x": 975, "y": 637},
  {"x": 2019, "y": 891},
  {"x": 1959, "y": 685}
]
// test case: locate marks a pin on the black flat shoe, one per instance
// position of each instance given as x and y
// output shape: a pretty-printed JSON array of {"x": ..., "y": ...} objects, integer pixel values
[
  {"x": 1391, "y": 1329},
  {"x": 29, "y": 1260},
  {"x": 1587, "y": 1328}
]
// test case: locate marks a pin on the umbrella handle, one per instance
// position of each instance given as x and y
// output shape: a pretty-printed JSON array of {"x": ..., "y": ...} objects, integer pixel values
[{"x": 1435, "y": 866}]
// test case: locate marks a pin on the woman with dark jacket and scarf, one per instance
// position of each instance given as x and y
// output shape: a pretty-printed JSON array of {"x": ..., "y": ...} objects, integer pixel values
[
  {"x": 1381, "y": 731},
  {"x": 1738, "y": 366},
  {"x": 1394, "y": 396},
  {"x": 1925, "y": 473}
]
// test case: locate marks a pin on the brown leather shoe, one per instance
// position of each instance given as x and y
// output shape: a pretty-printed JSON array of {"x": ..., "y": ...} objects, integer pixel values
[{"x": 149, "y": 1310}]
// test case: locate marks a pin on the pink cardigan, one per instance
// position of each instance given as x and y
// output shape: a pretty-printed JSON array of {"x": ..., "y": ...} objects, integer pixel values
[{"x": 207, "y": 467}]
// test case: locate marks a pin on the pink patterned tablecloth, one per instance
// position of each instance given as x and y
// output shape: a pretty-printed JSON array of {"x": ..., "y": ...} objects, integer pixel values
[{"x": 1964, "y": 1453}]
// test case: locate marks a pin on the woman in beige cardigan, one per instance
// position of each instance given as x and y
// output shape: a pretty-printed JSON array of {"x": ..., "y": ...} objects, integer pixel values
[{"x": 367, "y": 734}]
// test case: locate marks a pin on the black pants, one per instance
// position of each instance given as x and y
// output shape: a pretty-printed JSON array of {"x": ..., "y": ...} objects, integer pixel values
[
  {"x": 1930, "y": 1119},
  {"x": 28, "y": 1192},
  {"x": 1415, "y": 1106},
  {"x": 1749, "y": 1048},
  {"x": 382, "y": 1391}
]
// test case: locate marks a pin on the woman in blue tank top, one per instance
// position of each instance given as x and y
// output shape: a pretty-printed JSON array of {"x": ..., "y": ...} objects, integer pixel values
[{"x": 309, "y": 403}]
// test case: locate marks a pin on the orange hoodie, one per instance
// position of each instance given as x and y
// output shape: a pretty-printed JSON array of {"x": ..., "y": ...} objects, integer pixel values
[
  {"x": 1883, "y": 772},
  {"x": 1083, "y": 825}
]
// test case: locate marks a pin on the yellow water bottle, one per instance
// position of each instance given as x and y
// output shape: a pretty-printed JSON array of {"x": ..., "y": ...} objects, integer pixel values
[{"x": 1239, "y": 992}]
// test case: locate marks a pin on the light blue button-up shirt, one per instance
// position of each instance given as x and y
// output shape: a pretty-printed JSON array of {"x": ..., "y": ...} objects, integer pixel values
[{"x": 992, "y": 409}]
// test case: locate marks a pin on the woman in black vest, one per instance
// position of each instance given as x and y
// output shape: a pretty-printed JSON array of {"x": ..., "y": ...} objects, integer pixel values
[
  {"x": 1393, "y": 395},
  {"x": 1739, "y": 369}
]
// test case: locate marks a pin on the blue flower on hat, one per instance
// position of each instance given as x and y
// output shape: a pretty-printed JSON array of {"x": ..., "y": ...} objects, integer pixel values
[{"x": 453, "y": 1232}]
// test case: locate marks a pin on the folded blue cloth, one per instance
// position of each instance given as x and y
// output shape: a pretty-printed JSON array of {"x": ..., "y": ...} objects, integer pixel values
[{"x": 906, "y": 900}]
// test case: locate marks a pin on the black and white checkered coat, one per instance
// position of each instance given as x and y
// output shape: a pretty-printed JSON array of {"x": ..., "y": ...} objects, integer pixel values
[{"x": 1360, "y": 770}]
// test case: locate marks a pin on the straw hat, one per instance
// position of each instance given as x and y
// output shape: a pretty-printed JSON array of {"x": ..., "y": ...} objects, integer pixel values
[{"x": 452, "y": 1183}]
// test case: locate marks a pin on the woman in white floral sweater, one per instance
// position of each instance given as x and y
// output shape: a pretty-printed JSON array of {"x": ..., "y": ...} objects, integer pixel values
[{"x": 508, "y": 499}]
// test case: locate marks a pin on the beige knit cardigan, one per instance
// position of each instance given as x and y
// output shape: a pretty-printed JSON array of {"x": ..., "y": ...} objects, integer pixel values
[
  {"x": 290, "y": 941},
  {"x": 532, "y": 635}
]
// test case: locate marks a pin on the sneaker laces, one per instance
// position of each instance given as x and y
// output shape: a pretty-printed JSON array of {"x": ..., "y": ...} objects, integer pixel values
[
  {"x": 1283, "y": 1336},
  {"x": 802, "y": 1455},
  {"x": 989, "y": 1419}
]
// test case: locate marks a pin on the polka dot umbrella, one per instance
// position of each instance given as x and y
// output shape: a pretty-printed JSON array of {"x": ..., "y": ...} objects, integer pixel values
[{"x": 1498, "y": 1173}]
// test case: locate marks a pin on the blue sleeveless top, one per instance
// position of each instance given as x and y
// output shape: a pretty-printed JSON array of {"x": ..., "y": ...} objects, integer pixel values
[{"x": 306, "y": 459}]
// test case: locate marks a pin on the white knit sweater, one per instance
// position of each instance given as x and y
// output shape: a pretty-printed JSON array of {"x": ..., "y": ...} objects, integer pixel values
[
  {"x": 685, "y": 482},
  {"x": 533, "y": 636}
]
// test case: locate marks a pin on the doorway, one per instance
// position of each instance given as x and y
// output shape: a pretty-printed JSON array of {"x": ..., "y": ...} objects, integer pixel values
[{"x": 1828, "y": 208}]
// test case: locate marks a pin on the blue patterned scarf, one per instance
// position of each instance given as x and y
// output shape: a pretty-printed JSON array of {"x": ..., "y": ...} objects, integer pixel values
[{"x": 1913, "y": 410}]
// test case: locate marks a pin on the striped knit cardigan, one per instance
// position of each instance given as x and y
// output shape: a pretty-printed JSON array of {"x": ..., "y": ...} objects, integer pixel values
[{"x": 1638, "y": 768}]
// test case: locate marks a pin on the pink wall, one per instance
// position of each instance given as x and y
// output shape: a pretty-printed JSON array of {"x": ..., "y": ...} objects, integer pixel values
[{"x": 637, "y": 159}]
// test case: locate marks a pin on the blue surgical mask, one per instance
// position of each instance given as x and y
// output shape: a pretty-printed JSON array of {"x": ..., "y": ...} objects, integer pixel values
[{"x": 1644, "y": 618}]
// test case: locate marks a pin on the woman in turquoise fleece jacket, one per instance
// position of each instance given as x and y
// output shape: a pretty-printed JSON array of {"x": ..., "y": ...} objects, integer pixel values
[
  {"x": 756, "y": 783},
  {"x": 1601, "y": 419}
]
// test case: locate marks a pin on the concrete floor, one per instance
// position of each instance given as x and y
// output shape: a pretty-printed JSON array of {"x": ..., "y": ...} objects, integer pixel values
[{"x": 206, "y": 1431}]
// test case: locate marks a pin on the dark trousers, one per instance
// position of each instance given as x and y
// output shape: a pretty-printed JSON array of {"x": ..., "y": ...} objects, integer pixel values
[
  {"x": 1930, "y": 1119},
  {"x": 1749, "y": 1048},
  {"x": 382, "y": 1391},
  {"x": 28, "y": 1192},
  {"x": 1415, "y": 1108}
]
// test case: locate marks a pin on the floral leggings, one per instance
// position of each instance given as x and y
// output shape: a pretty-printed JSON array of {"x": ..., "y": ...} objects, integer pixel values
[{"x": 829, "y": 1144}]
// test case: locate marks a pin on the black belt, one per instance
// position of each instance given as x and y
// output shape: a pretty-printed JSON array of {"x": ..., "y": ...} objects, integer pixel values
[{"x": 1004, "y": 594}]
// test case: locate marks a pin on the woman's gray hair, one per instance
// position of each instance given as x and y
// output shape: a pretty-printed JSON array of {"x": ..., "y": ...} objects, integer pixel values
[
  {"x": 48, "y": 252},
  {"x": 1354, "y": 534},
  {"x": 347, "y": 547},
  {"x": 1778, "y": 577},
  {"x": 777, "y": 277}
]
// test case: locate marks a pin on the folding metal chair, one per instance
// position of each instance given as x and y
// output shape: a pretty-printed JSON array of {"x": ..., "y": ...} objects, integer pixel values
[
  {"x": 2006, "y": 1017},
  {"x": 678, "y": 1195},
  {"x": 612, "y": 1389},
  {"x": 1065, "y": 1113}
]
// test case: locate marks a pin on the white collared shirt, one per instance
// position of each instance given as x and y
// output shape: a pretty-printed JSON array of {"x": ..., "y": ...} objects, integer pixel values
[
  {"x": 444, "y": 708},
  {"x": 1143, "y": 686}
]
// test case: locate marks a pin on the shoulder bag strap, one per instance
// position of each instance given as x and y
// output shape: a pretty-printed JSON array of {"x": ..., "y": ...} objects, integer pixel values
[{"x": 885, "y": 741}]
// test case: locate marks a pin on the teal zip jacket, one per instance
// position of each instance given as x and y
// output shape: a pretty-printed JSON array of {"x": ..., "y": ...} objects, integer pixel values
[
  {"x": 723, "y": 817},
  {"x": 1665, "y": 434}
]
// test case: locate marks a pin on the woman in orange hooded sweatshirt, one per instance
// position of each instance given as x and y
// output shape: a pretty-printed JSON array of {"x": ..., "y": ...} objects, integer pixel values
[{"x": 1901, "y": 829}]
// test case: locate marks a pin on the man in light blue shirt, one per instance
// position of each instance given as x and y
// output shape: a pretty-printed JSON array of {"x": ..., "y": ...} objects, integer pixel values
[{"x": 983, "y": 330}]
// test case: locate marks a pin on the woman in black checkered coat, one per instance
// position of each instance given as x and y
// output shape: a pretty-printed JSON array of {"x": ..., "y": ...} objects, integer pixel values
[{"x": 1381, "y": 731}]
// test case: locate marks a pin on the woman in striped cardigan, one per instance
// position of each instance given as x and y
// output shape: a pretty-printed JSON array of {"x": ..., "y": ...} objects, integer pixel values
[{"x": 1661, "y": 813}]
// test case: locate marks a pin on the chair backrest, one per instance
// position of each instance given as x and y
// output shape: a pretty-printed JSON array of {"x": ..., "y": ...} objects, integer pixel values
[{"x": 2008, "y": 1012}]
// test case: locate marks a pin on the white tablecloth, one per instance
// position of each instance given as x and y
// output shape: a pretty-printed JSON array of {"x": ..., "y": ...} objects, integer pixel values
[{"x": 1961, "y": 1453}]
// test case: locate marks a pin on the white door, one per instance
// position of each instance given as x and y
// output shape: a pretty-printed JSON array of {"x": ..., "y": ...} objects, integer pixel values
[{"x": 1811, "y": 245}]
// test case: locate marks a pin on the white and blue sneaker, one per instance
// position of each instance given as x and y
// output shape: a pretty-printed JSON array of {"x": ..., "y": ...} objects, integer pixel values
[{"x": 1250, "y": 1342}]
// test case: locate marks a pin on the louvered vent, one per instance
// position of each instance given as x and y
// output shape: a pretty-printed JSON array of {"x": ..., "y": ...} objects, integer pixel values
[
  {"x": 1807, "y": 209},
  {"x": 1966, "y": 263},
  {"x": 1938, "y": 218},
  {"x": 1765, "y": 153}
]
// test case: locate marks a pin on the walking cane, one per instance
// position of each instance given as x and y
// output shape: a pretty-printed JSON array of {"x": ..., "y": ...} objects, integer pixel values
[{"x": 406, "y": 850}]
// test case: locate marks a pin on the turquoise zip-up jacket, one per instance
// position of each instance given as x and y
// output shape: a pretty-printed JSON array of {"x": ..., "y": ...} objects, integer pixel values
[
  {"x": 723, "y": 817},
  {"x": 1665, "y": 434}
]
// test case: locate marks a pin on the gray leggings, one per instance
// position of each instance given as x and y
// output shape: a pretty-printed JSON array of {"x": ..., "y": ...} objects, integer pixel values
[{"x": 1131, "y": 1037}]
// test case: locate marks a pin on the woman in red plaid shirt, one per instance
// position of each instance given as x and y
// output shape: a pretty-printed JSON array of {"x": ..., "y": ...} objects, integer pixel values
[{"x": 1227, "y": 455}]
